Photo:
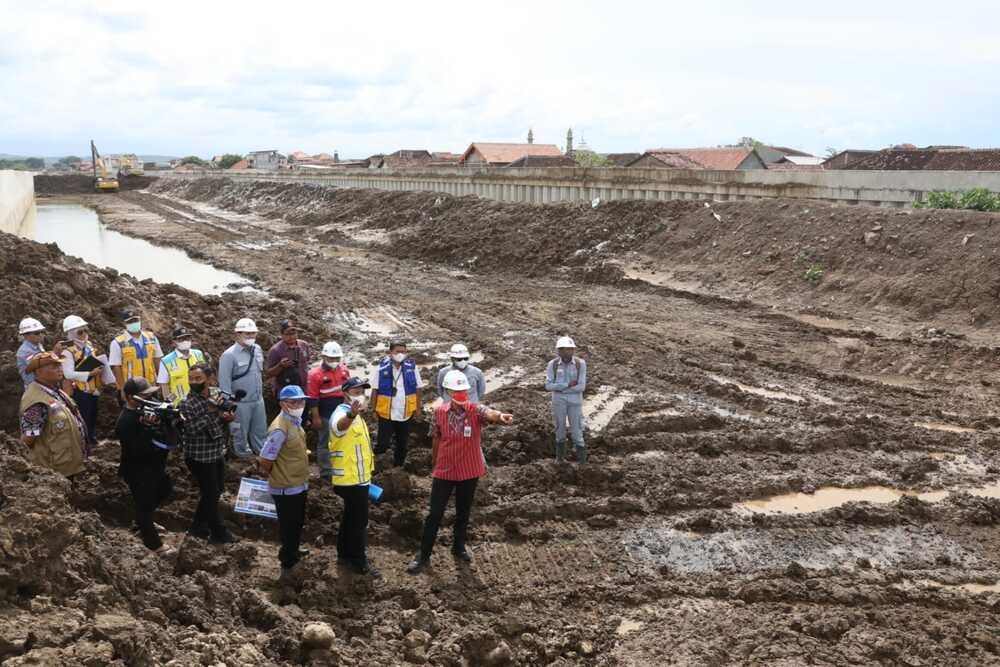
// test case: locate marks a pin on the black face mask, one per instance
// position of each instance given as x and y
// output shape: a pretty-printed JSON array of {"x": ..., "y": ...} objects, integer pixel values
[{"x": 197, "y": 388}]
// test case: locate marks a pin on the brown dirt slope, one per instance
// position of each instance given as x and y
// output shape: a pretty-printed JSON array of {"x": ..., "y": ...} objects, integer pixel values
[
  {"x": 922, "y": 263},
  {"x": 81, "y": 184}
]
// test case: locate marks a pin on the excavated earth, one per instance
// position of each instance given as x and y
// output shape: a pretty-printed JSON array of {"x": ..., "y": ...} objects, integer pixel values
[{"x": 720, "y": 376}]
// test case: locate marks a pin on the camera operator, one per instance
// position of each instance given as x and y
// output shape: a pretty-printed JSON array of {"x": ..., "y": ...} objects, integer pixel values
[
  {"x": 143, "y": 461},
  {"x": 204, "y": 441}
]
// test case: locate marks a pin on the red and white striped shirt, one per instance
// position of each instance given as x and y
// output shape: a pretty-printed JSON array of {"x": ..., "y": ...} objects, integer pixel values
[{"x": 459, "y": 451}]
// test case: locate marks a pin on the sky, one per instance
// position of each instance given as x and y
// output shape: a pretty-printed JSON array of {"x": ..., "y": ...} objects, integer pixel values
[{"x": 206, "y": 78}]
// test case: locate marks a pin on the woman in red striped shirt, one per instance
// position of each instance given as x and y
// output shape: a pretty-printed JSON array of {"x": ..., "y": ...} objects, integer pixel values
[{"x": 457, "y": 459}]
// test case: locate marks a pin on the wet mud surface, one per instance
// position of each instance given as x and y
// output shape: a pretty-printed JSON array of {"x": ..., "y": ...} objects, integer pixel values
[{"x": 698, "y": 404}]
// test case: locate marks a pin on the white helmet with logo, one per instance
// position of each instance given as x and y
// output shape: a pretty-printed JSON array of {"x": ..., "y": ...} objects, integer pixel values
[
  {"x": 245, "y": 325},
  {"x": 459, "y": 351},
  {"x": 332, "y": 349},
  {"x": 456, "y": 381},
  {"x": 564, "y": 343},
  {"x": 73, "y": 322},
  {"x": 29, "y": 325}
]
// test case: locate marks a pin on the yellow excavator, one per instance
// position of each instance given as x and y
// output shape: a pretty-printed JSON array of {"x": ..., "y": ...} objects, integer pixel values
[{"x": 104, "y": 181}]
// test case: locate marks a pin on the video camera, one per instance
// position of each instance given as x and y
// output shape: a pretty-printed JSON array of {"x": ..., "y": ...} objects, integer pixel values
[
  {"x": 227, "y": 402},
  {"x": 163, "y": 418}
]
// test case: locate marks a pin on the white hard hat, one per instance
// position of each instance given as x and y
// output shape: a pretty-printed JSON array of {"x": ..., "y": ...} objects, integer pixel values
[
  {"x": 456, "y": 381},
  {"x": 332, "y": 349},
  {"x": 246, "y": 325},
  {"x": 29, "y": 325},
  {"x": 73, "y": 322},
  {"x": 459, "y": 351},
  {"x": 565, "y": 341}
]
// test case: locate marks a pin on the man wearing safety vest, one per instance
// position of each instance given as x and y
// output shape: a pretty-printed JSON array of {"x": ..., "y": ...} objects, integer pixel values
[
  {"x": 51, "y": 425},
  {"x": 396, "y": 398},
  {"x": 353, "y": 464},
  {"x": 323, "y": 389},
  {"x": 86, "y": 385},
  {"x": 32, "y": 333},
  {"x": 135, "y": 353},
  {"x": 285, "y": 459},
  {"x": 458, "y": 463},
  {"x": 174, "y": 368}
]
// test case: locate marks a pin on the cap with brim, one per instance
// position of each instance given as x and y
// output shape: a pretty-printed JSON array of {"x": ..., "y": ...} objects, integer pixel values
[
  {"x": 288, "y": 324},
  {"x": 129, "y": 315},
  {"x": 138, "y": 386},
  {"x": 292, "y": 392},
  {"x": 42, "y": 359},
  {"x": 181, "y": 332},
  {"x": 354, "y": 383}
]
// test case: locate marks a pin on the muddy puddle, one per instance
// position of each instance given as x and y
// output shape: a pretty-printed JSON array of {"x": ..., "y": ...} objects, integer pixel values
[
  {"x": 831, "y": 497},
  {"x": 948, "y": 428},
  {"x": 601, "y": 407},
  {"x": 78, "y": 232}
]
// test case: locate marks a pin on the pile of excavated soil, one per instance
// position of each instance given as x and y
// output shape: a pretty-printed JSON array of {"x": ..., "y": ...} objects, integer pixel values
[
  {"x": 923, "y": 263},
  {"x": 81, "y": 184}
]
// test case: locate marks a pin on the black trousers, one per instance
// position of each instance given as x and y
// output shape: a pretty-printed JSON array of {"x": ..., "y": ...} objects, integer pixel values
[
  {"x": 150, "y": 486},
  {"x": 291, "y": 518},
  {"x": 396, "y": 434},
  {"x": 210, "y": 478},
  {"x": 88, "y": 410},
  {"x": 440, "y": 492},
  {"x": 352, "y": 539}
]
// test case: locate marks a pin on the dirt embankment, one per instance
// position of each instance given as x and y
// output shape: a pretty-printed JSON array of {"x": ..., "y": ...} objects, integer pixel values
[
  {"x": 922, "y": 264},
  {"x": 82, "y": 184}
]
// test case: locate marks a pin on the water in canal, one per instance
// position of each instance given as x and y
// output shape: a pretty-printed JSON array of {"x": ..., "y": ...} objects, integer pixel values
[{"x": 77, "y": 231}]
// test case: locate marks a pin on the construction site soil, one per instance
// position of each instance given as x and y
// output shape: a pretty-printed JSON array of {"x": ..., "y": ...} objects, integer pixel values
[{"x": 784, "y": 470}]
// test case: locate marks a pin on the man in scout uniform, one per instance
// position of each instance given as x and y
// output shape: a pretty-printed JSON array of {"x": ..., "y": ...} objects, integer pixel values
[{"x": 51, "y": 425}]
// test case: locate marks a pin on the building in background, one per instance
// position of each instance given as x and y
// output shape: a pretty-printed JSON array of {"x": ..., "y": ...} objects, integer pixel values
[
  {"x": 723, "y": 159},
  {"x": 267, "y": 160},
  {"x": 488, "y": 154},
  {"x": 909, "y": 158}
]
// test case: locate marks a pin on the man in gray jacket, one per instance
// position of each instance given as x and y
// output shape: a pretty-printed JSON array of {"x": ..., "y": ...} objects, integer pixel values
[
  {"x": 566, "y": 378},
  {"x": 241, "y": 368},
  {"x": 459, "y": 355}
]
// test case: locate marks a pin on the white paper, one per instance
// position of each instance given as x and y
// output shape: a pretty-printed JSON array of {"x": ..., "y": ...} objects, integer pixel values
[{"x": 107, "y": 376}]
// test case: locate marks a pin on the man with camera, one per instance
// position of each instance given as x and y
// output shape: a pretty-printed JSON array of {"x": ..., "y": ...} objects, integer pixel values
[
  {"x": 204, "y": 441},
  {"x": 146, "y": 437}
]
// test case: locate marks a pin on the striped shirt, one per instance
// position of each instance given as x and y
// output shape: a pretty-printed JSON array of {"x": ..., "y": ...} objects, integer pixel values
[{"x": 459, "y": 450}]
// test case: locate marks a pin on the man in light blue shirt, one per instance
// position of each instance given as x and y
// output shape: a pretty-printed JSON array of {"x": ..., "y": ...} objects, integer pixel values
[
  {"x": 459, "y": 355},
  {"x": 566, "y": 378},
  {"x": 241, "y": 368},
  {"x": 32, "y": 331}
]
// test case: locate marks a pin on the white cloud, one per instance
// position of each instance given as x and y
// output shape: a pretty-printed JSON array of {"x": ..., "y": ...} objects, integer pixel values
[{"x": 210, "y": 77}]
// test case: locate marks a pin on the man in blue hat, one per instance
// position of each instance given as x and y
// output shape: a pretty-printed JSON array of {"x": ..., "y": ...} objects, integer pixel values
[{"x": 285, "y": 460}]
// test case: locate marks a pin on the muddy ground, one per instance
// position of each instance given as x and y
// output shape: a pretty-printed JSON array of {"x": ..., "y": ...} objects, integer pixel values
[{"x": 719, "y": 376}]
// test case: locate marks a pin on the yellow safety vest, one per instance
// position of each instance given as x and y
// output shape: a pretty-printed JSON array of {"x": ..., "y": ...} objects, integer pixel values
[
  {"x": 177, "y": 369},
  {"x": 91, "y": 386},
  {"x": 132, "y": 365},
  {"x": 351, "y": 454}
]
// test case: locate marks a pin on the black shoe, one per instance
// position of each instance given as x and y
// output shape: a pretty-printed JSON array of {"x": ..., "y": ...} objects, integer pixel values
[
  {"x": 418, "y": 565},
  {"x": 228, "y": 538},
  {"x": 462, "y": 555},
  {"x": 303, "y": 552},
  {"x": 200, "y": 533},
  {"x": 368, "y": 569}
]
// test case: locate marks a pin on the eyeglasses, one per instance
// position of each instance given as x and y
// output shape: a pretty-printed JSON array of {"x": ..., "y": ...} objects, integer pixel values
[{"x": 82, "y": 332}]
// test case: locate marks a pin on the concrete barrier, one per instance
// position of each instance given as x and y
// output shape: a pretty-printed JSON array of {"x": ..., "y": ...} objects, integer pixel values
[
  {"x": 556, "y": 184},
  {"x": 17, "y": 195}
]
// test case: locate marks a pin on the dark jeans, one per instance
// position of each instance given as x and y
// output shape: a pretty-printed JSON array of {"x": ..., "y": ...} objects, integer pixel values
[
  {"x": 210, "y": 478},
  {"x": 291, "y": 518},
  {"x": 352, "y": 540},
  {"x": 395, "y": 433},
  {"x": 150, "y": 486},
  {"x": 440, "y": 492},
  {"x": 88, "y": 410}
]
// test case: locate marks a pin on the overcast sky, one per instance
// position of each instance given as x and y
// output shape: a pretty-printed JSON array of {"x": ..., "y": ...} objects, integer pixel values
[{"x": 210, "y": 77}]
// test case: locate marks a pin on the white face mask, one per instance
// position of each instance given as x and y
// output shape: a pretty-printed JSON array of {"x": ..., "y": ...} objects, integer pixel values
[
  {"x": 399, "y": 357},
  {"x": 248, "y": 341},
  {"x": 296, "y": 412},
  {"x": 461, "y": 363},
  {"x": 183, "y": 345},
  {"x": 360, "y": 400}
]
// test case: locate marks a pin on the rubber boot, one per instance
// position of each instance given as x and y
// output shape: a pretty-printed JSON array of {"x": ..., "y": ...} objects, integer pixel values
[
  {"x": 560, "y": 450},
  {"x": 581, "y": 454}
]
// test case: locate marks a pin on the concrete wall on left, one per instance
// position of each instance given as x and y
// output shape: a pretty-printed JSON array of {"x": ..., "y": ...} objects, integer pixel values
[{"x": 17, "y": 194}]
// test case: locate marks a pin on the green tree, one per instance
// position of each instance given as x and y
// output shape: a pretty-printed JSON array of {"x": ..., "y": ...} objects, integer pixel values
[
  {"x": 34, "y": 163},
  {"x": 69, "y": 159},
  {"x": 195, "y": 160},
  {"x": 590, "y": 159},
  {"x": 228, "y": 160}
]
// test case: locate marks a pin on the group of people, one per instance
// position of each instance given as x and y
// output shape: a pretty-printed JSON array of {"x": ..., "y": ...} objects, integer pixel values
[{"x": 59, "y": 415}]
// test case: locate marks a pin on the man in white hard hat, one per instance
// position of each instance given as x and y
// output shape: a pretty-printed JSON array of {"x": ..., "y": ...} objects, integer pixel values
[
  {"x": 459, "y": 355},
  {"x": 241, "y": 369},
  {"x": 457, "y": 462},
  {"x": 86, "y": 392},
  {"x": 324, "y": 394},
  {"x": 566, "y": 378},
  {"x": 31, "y": 332}
]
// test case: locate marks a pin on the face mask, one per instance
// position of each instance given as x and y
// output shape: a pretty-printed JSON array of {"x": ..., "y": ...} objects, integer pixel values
[
  {"x": 248, "y": 342},
  {"x": 296, "y": 412},
  {"x": 330, "y": 365},
  {"x": 360, "y": 400},
  {"x": 133, "y": 327},
  {"x": 197, "y": 387},
  {"x": 566, "y": 356},
  {"x": 399, "y": 357},
  {"x": 461, "y": 363},
  {"x": 460, "y": 397},
  {"x": 183, "y": 345}
]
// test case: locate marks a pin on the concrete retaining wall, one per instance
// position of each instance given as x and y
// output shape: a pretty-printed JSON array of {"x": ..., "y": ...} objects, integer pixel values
[
  {"x": 542, "y": 186},
  {"x": 17, "y": 194}
]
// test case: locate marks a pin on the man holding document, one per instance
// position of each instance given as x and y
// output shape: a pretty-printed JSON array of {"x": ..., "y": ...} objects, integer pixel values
[{"x": 84, "y": 369}]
